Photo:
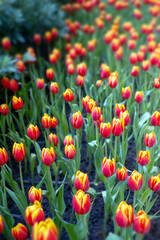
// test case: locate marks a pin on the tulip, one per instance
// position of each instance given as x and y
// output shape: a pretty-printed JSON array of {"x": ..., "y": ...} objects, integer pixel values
[
  {"x": 156, "y": 83},
  {"x": 105, "y": 129},
  {"x": 35, "y": 194},
  {"x": 131, "y": 44},
  {"x": 17, "y": 103},
  {"x": 53, "y": 59},
  {"x": 144, "y": 157},
  {"x": 40, "y": 83},
  {"x": 33, "y": 132},
  {"x": 3, "y": 156},
  {"x": 20, "y": 66},
  {"x": 54, "y": 122},
  {"x": 48, "y": 156},
  {"x": 54, "y": 87},
  {"x": 139, "y": 97},
  {"x": 45, "y": 230},
  {"x": 155, "y": 119},
  {"x": 119, "y": 108},
  {"x": 121, "y": 174},
  {"x": 117, "y": 126},
  {"x": 6, "y": 44},
  {"x": 80, "y": 80},
  {"x": 126, "y": 117},
  {"x": 4, "y": 109},
  {"x": 99, "y": 83},
  {"x": 1, "y": 224},
  {"x": 68, "y": 140},
  {"x": 135, "y": 181},
  {"x": 18, "y": 151},
  {"x": 99, "y": 121},
  {"x": 119, "y": 53},
  {"x": 141, "y": 223},
  {"x": 46, "y": 121},
  {"x": 96, "y": 113},
  {"x": 113, "y": 80},
  {"x": 108, "y": 167},
  {"x": 53, "y": 138},
  {"x": 81, "y": 202},
  {"x": 78, "y": 48},
  {"x": 90, "y": 106},
  {"x": 70, "y": 151},
  {"x": 126, "y": 92},
  {"x": 70, "y": 69},
  {"x": 81, "y": 181},
  {"x": 82, "y": 69},
  {"x": 48, "y": 36},
  {"x": 115, "y": 44},
  {"x": 5, "y": 82},
  {"x": 154, "y": 183},
  {"x": 85, "y": 100},
  {"x": 124, "y": 215},
  {"x": 68, "y": 95},
  {"x": 13, "y": 85},
  {"x": 135, "y": 71},
  {"x": 150, "y": 139},
  {"x": 145, "y": 65},
  {"x": 34, "y": 213},
  {"x": 105, "y": 71},
  {"x": 54, "y": 33},
  {"x": 50, "y": 73},
  {"x": 133, "y": 58},
  {"x": 37, "y": 38},
  {"x": 77, "y": 120},
  {"x": 19, "y": 232}
]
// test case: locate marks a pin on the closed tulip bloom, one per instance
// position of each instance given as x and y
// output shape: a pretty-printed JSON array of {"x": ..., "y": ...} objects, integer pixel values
[
  {"x": 81, "y": 181},
  {"x": 4, "y": 109},
  {"x": 48, "y": 36},
  {"x": 53, "y": 138},
  {"x": 13, "y": 85},
  {"x": 135, "y": 181},
  {"x": 126, "y": 117},
  {"x": 156, "y": 83},
  {"x": 126, "y": 93},
  {"x": 17, "y": 103},
  {"x": 108, "y": 167},
  {"x": 54, "y": 33},
  {"x": 90, "y": 106},
  {"x": 145, "y": 65},
  {"x": 135, "y": 71},
  {"x": 68, "y": 95},
  {"x": 105, "y": 71},
  {"x": 5, "y": 82},
  {"x": 1, "y": 224},
  {"x": 70, "y": 69},
  {"x": 46, "y": 121},
  {"x": 115, "y": 44},
  {"x": 34, "y": 213},
  {"x": 121, "y": 174},
  {"x": 154, "y": 183},
  {"x": 54, "y": 88},
  {"x": 68, "y": 140},
  {"x": 19, "y": 232},
  {"x": 124, "y": 215},
  {"x": 6, "y": 44},
  {"x": 119, "y": 108},
  {"x": 54, "y": 122},
  {"x": 99, "y": 121},
  {"x": 150, "y": 139},
  {"x": 141, "y": 223},
  {"x": 33, "y": 132},
  {"x": 77, "y": 120},
  {"x": 99, "y": 83},
  {"x": 113, "y": 80},
  {"x": 45, "y": 230},
  {"x": 155, "y": 119},
  {"x": 18, "y": 151},
  {"x": 80, "y": 81},
  {"x": 85, "y": 100},
  {"x": 144, "y": 157},
  {"x": 81, "y": 202},
  {"x": 70, "y": 151},
  {"x": 82, "y": 69},
  {"x": 35, "y": 194},
  {"x": 40, "y": 83},
  {"x": 3, "y": 156},
  {"x": 48, "y": 156},
  {"x": 20, "y": 66},
  {"x": 96, "y": 113},
  {"x": 53, "y": 59},
  {"x": 50, "y": 73},
  {"x": 139, "y": 96},
  {"x": 133, "y": 58},
  {"x": 117, "y": 126},
  {"x": 105, "y": 129},
  {"x": 37, "y": 38}
]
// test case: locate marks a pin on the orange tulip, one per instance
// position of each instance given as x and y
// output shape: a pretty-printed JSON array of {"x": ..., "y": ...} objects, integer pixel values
[
  {"x": 113, "y": 80},
  {"x": 53, "y": 138},
  {"x": 81, "y": 181},
  {"x": 20, "y": 66},
  {"x": 1, "y": 224},
  {"x": 48, "y": 156},
  {"x": 155, "y": 119},
  {"x": 68, "y": 95},
  {"x": 17, "y": 103},
  {"x": 81, "y": 202},
  {"x": 77, "y": 120},
  {"x": 105, "y": 129},
  {"x": 139, "y": 97},
  {"x": 121, "y": 174},
  {"x": 117, "y": 126},
  {"x": 40, "y": 83},
  {"x": 6, "y": 44},
  {"x": 135, "y": 71},
  {"x": 54, "y": 88},
  {"x": 19, "y": 232},
  {"x": 19, "y": 151},
  {"x": 35, "y": 194},
  {"x": 82, "y": 69},
  {"x": 70, "y": 151},
  {"x": 126, "y": 92},
  {"x": 119, "y": 108},
  {"x": 33, "y": 132},
  {"x": 141, "y": 223},
  {"x": 135, "y": 181},
  {"x": 46, "y": 121},
  {"x": 124, "y": 215},
  {"x": 125, "y": 116},
  {"x": 34, "y": 213},
  {"x": 4, "y": 109},
  {"x": 150, "y": 139},
  {"x": 50, "y": 73},
  {"x": 96, "y": 113},
  {"x": 108, "y": 167},
  {"x": 144, "y": 157},
  {"x": 154, "y": 183},
  {"x": 68, "y": 140}
]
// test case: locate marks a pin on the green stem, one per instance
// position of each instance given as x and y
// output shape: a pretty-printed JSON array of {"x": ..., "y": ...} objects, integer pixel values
[
  {"x": 6, "y": 97},
  {"x": 115, "y": 147},
  {"x": 80, "y": 99},
  {"x": 4, "y": 187},
  {"x": 85, "y": 228},
  {"x": 134, "y": 200},
  {"x": 97, "y": 134},
  {"x": 105, "y": 147},
  {"x": 21, "y": 177}
]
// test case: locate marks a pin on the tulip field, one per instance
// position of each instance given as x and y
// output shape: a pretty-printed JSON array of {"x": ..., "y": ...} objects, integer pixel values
[{"x": 80, "y": 123}]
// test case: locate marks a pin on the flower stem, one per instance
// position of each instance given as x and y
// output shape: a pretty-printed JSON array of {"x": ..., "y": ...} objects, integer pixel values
[
  {"x": 84, "y": 227},
  {"x": 115, "y": 147},
  {"x": 4, "y": 187},
  {"x": 21, "y": 177}
]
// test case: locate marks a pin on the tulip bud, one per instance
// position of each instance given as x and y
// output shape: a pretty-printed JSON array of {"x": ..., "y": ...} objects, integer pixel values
[
  {"x": 105, "y": 71},
  {"x": 18, "y": 151},
  {"x": 144, "y": 157},
  {"x": 99, "y": 83},
  {"x": 81, "y": 181},
  {"x": 70, "y": 69},
  {"x": 108, "y": 167},
  {"x": 146, "y": 65},
  {"x": 115, "y": 44},
  {"x": 3, "y": 156},
  {"x": 70, "y": 151},
  {"x": 13, "y": 85},
  {"x": 154, "y": 183},
  {"x": 19, "y": 232},
  {"x": 133, "y": 58},
  {"x": 45, "y": 230},
  {"x": 37, "y": 38},
  {"x": 139, "y": 97},
  {"x": 119, "y": 53},
  {"x": 35, "y": 194},
  {"x": 90, "y": 106},
  {"x": 141, "y": 223},
  {"x": 68, "y": 95},
  {"x": 6, "y": 44},
  {"x": 99, "y": 121},
  {"x": 53, "y": 138},
  {"x": 20, "y": 66},
  {"x": 81, "y": 202},
  {"x": 155, "y": 119},
  {"x": 68, "y": 140},
  {"x": 4, "y": 109},
  {"x": 54, "y": 33},
  {"x": 156, "y": 83},
  {"x": 85, "y": 100},
  {"x": 77, "y": 120},
  {"x": 105, "y": 129},
  {"x": 126, "y": 117},
  {"x": 33, "y": 132},
  {"x": 54, "y": 87},
  {"x": 117, "y": 126},
  {"x": 126, "y": 92},
  {"x": 82, "y": 69},
  {"x": 96, "y": 113},
  {"x": 5, "y": 82},
  {"x": 40, "y": 83},
  {"x": 124, "y": 215},
  {"x": 54, "y": 122},
  {"x": 1, "y": 224},
  {"x": 46, "y": 121},
  {"x": 131, "y": 44},
  {"x": 34, "y": 213},
  {"x": 48, "y": 156},
  {"x": 119, "y": 108},
  {"x": 113, "y": 80},
  {"x": 121, "y": 174},
  {"x": 48, "y": 36},
  {"x": 17, "y": 103},
  {"x": 52, "y": 59},
  {"x": 80, "y": 80},
  {"x": 135, "y": 181},
  {"x": 135, "y": 71},
  {"x": 150, "y": 139},
  {"x": 50, "y": 73}
]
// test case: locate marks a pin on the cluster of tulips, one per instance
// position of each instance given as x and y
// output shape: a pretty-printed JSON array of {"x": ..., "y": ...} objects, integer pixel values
[{"x": 98, "y": 81}]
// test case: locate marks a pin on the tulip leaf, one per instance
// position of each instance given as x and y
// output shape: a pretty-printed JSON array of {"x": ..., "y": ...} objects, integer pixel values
[
  {"x": 113, "y": 236},
  {"x": 98, "y": 157},
  {"x": 8, "y": 222},
  {"x": 150, "y": 205}
]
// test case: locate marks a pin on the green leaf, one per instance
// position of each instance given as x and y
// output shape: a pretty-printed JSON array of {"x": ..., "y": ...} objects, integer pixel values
[
  {"x": 98, "y": 157},
  {"x": 113, "y": 236},
  {"x": 8, "y": 222}
]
